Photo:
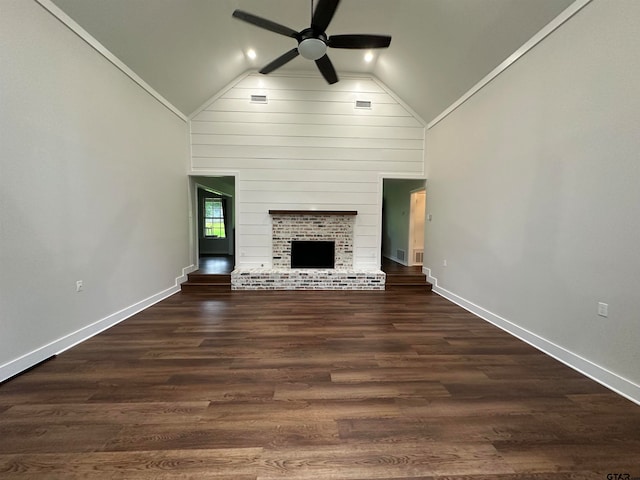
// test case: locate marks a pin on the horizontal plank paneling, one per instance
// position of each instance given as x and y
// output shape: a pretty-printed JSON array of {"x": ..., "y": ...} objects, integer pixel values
[
  {"x": 294, "y": 130},
  {"x": 306, "y": 118},
  {"x": 267, "y": 174},
  {"x": 307, "y": 185},
  {"x": 361, "y": 208},
  {"x": 253, "y": 219},
  {"x": 256, "y": 230},
  {"x": 367, "y": 230},
  {"x": 366, "y": 241},
  {"x": 312, "y": 153},
  {"x": 294, "y": 170},
  {"x": 245, "y": 94},
  {"x": 307, "y": 148},
  {"x": 370, "y": 220},
  {"x": 307, "y": 142},
  {"x": 305, "y": 107},
  {"x": 275, "y": 197},
  {"x": 256, "y": 240}
]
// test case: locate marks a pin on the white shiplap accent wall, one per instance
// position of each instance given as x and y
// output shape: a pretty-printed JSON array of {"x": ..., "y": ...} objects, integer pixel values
[{"x": 307, "y": 148}]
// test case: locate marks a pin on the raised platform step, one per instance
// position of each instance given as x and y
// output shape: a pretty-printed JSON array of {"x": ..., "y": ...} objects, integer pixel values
[
  {"x": 205, "y": 288},
  {"x": 408, "y": 281},
  {"x": 410, "y": 287},
  {"x": 196, "y": 277},
  {"x": 206, "y": 283},
  {"x": 398, "y": 278}
]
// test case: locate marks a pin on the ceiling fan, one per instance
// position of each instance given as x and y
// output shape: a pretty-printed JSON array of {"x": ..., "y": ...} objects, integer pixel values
[{"x": 313, "y": 41}]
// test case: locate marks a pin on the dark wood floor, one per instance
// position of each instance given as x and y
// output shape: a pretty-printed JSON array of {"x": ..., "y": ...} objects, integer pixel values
[
  {"x": 221, "y": 264},
  {"x": 389, "y": 266},
  {"x": 311, "y": 385},
  {"x": 216, "y": 264}
]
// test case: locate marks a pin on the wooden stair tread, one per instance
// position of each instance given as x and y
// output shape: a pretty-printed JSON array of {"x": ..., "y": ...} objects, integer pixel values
[
  {"x": 199, "y": 278},
  {"x": 206, "y": 288},
  {"x": 199, "y": 282},
  {"x": 408, "y": 281}
]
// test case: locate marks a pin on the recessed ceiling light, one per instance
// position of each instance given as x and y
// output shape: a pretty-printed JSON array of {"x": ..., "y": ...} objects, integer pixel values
[
  {"x": 251, "y": 53},
  {"x": 368, "y": 57}
]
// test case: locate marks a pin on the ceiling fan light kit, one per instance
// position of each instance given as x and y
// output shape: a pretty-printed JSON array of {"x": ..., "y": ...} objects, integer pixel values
[
  {"x": 313, "y": 41},
  {"x": 312, "y": 48}
]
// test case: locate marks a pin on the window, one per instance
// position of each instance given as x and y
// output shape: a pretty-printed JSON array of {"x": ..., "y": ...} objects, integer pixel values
[{"x": 214, "y": 218}]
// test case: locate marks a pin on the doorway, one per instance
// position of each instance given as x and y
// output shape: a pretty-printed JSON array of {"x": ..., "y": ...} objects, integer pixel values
[
  {"x": 403, "y": 212},
  {"x": 213, "y": 222}
]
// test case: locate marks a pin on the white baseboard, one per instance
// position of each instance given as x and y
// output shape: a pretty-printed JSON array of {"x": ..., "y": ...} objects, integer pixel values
[
  {"x": 58, "y": 346},
  {"x": 611, "y": 380}
]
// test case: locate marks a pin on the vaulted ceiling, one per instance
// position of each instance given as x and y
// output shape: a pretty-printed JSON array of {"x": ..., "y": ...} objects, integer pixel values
[{"x": 188, "y": 50}]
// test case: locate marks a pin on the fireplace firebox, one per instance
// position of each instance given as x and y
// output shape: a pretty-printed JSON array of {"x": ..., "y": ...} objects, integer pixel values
[{"x": 313, "y": 254}]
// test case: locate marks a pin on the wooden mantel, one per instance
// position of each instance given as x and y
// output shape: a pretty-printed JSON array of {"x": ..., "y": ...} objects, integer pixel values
[{"x": 313, "y": 212}]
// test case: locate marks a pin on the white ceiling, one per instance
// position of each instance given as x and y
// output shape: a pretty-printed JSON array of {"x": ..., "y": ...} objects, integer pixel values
[{"x": 188, "y": 50}]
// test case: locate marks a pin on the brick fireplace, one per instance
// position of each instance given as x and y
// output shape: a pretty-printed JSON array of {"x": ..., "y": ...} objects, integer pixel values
[
  {"x": 300, "y": 225},
  {"x": 335, "y": 226}
]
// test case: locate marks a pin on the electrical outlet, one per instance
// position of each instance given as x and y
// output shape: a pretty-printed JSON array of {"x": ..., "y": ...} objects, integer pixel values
[
  {"x": 79, "y": 286},
  {"x": 444, "y": 263},
  {"x": 603, "y": 309}
]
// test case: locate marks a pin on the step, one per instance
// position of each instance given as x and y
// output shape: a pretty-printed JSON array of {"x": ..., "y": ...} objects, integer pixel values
[
  {"x": 406, "y": 278},
  {"x": 198, "y": 287},
  {"x": 409, "y": 287},
  {"x": 196, "y": 277}
]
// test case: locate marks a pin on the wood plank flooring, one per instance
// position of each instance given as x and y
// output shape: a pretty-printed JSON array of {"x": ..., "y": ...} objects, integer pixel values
[{"x": 311, "y": 385}]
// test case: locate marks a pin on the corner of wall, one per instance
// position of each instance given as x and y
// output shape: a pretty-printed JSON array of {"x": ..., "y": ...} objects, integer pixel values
[
  {"x": 56, "y": 347},
  {"x": 608, "y": 379},
  {"x": 219, "y": 94}
]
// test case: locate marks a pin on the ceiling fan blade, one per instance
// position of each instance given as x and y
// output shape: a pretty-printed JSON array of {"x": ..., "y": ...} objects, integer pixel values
[
  {"x": 323, "y": 14},
  {"x": 359, "y": 41},
  {"x": 326, "y": 69},
  {"x": 264, "y": 23},
  {"x": 280, "y": 61}
]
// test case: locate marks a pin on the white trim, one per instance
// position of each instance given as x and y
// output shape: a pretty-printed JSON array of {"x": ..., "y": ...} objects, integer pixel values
[
  {"x": 102, "y": 50},
  {"x": 565, "y": 15},
  {"x": 401, "y": 102},
  {"x": 411, "y": 260},
  {"x": 28, "y": 360},
  {"x": 219, "y": 94},
  {"x": 607, "y": 378}
]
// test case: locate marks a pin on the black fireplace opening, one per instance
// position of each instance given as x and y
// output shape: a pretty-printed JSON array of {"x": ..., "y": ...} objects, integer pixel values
[{"x": 313, "y": 253}]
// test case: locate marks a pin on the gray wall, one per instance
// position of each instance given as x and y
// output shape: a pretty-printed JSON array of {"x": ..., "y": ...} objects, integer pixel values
[
  {"x": 92, "y": 188},
  {"x": 533, "y": 187}
]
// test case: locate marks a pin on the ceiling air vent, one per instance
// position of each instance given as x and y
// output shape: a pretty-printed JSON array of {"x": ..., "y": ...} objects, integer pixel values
[
  {"x": 258, "y": 99},
  {"x": 363, "y": 104}
]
